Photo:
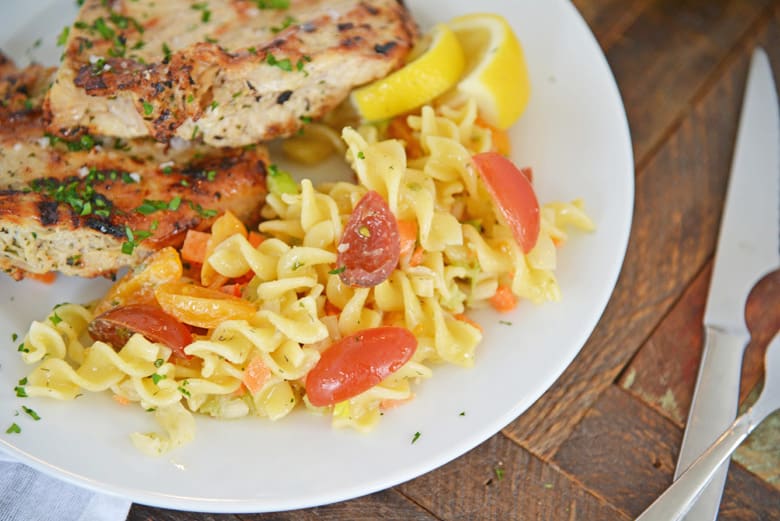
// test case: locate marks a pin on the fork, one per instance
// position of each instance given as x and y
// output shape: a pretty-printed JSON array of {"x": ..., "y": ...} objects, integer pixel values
[{"x": 682, "y": 494}]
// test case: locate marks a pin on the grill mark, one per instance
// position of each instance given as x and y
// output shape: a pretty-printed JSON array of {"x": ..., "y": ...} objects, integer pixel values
[
  {"x": 49, "y": 213},
  {"x": 105, "y": 226},
  {"x": 283, "y": 97},
  {"x": 385, "y": 48}
]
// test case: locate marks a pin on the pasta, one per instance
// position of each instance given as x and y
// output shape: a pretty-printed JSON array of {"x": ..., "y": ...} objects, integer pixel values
[{"x": 293, "y": 305}]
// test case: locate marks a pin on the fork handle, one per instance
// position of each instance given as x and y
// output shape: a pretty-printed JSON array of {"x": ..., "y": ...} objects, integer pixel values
[{"x": 682, "y": 494}]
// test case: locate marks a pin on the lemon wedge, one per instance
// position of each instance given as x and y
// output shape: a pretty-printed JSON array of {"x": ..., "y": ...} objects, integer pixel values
[
  {"x": 436, "y": 65},
  {"x": 496, "y": 75}
]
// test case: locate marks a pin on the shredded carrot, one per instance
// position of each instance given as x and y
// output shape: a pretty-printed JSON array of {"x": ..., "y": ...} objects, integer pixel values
[
  {"x": 218, "y": 281},
  {"x": 233, "y": 289},
  {"x": 241, "y": 391},
  {"x": 417, "y": 256},
  {"x": 389, "y": 403},
  {"x": 500, "y": 138},
  {"x": 47, "y": 278},
  {"x": 504, "y": 300},
  {"x": 194, "y": 247},
  {"x": 255, "y": 374},
  {"x": 255, "y": 239},
  {"x": 331, "y": 308},
  {"x": 398, "y": 128},
  {"x": 121, "y": 400},
  {"x": 407, "y": 231},
  {"x": 392, "y": 318},
  {"x": 468, "y": 321}
]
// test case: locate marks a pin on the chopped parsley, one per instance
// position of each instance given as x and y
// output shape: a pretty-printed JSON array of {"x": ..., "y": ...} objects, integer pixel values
[
  {"x": 287, "y": 22},
  {"x": 13, "y": 429},
  {"x": 505, "y": 322},
  {"x": 55, "y": 318},
  {"x": 79, "y": 194},
  {"x": 150, "y": 206},
  {"x": 63, "y": 36},
  {"x": 499, "y": 473},
  {"x": 148, "y": 108},
  {"x": 166, "y": 52},
  {"x": 416, "y": 436},
  {"x": 272, "y": 4},
  {"x": 14, "y": 336},
  {"x": 32, "y": 414},
  {"x": 157, "y": 377},
  {"x": 203, "y": 212},
  {"x": 361, "y": 155},
  {"x": 284, "y": 64},
  {"x": 337, "y": 271},
  {"x": 134, "y": 237},
  {"x": 159, "y": 362},
  {"x": 20, "y": 390}
]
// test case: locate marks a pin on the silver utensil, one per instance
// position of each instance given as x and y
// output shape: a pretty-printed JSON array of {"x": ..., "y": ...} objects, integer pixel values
[
  {"x": 747, "y": 249},
  {"x": 682, "y": 494}
]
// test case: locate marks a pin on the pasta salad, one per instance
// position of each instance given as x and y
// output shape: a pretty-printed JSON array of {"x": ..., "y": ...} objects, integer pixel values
[{"x": 345, "y": 296}]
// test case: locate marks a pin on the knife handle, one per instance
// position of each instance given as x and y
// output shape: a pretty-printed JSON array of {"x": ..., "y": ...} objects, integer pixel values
[{"x": 713, "y": 408}]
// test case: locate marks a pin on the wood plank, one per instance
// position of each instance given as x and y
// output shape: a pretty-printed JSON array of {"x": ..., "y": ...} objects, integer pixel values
[
  {"x": 664, "y": 255},
  {"x": 146, "y": 513},
  {"x": 608, "y": 19},
  {"x": 663, "y": 373},
  {"x": 499, "y": 480},
  {"x": 669, "y": 54},
  {"x": 387, "y": 505},
  {"x": 625, "y": 452}
]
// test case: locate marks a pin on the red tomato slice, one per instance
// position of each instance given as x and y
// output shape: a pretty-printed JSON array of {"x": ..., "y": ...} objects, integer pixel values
[
  {"x": 370, "y": 246},
  {"x": 358, "y": 362},
  {"x": 116, "y": 326},
  {"x": 514, "y": 196}
]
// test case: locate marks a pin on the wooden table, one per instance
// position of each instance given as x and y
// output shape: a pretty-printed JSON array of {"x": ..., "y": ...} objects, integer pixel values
[{"x": 601, "y": 444}]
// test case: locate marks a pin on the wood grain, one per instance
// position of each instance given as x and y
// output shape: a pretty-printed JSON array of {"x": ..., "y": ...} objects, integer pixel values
[
  {"x": 663, "y": 373},
  {"x": 626, "y": 452},
  {"x": 498, "y": 480},
  {"x": 388, "y": 505},
  {"x": 669, "y": 54}
]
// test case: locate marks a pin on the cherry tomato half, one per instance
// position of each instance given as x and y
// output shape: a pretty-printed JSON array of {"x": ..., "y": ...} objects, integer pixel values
[
  {"x": 358, "y": 362},
  {"x": 370, "y": 246},
  {"x": 117, "y": 325},
  {"x": 514, "y": 196}
]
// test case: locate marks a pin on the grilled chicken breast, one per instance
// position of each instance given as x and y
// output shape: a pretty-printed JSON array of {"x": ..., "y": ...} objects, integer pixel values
[
  {"x": 232, "y": 72},
  {"x": 93, "y": 205}
]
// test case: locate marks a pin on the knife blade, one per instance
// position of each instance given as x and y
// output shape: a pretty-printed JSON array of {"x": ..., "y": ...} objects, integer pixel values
[{"x": 748, "y": 248}]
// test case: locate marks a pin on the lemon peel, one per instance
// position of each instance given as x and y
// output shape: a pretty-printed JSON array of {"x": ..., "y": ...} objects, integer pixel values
[{"x": 436, "y": 66}]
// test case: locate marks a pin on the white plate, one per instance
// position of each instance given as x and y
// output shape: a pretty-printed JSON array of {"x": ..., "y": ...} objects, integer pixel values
[{"x": 575, "y": 137}]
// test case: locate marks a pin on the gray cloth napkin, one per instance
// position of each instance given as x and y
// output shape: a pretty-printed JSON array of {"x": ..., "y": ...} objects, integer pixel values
[{"x": 28, "y": 495}]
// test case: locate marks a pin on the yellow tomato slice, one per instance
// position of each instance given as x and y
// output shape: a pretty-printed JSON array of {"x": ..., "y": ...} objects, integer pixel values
[
  {"x": 202, "y": 307},
  {"x": 137, "y": 286}
]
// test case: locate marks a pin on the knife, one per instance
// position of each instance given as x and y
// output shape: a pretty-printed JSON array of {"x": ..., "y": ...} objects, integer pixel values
[{"x": 748, "y": 248}]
